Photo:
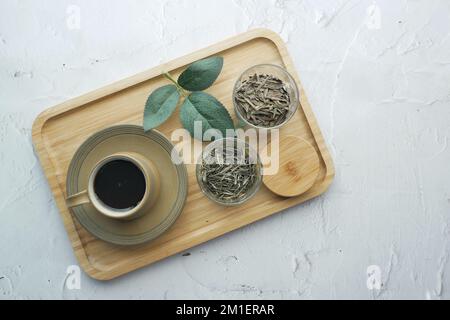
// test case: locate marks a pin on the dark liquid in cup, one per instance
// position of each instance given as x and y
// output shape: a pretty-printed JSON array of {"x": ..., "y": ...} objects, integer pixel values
[{"x": 120, "y": 184}]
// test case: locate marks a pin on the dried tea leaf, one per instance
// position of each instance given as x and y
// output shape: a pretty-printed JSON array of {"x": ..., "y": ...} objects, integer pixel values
[
  {"x": 263, "y": 100},
  {"x": 228, "y": 173}
]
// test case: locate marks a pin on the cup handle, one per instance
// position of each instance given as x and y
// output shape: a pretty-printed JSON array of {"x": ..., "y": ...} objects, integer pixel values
[{"x": 78, "y": 199}]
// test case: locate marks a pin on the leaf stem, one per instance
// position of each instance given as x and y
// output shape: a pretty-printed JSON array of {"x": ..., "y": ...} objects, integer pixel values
[{"x": 168, "y": 76}]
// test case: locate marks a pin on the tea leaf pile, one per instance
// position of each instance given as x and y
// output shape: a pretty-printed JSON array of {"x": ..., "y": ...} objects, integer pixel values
[
  {"x": 263, "y": 100},
  {"x": 228, "y": 176}
]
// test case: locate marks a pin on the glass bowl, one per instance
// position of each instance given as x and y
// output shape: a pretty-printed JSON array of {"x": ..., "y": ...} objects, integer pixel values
[
  {"x": 278, "y": 72},
  {"x": 211, "y": 155}
]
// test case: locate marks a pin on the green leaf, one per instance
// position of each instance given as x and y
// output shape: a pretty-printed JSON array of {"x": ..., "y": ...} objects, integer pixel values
[
  {"x": 201, "y": 74},
  {"x": 160, "y": 105},
  {"x": 200, "y": 106}
]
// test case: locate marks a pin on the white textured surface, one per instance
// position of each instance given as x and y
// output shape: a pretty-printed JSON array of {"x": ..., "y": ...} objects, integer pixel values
[{"x": 380, "y": 89}]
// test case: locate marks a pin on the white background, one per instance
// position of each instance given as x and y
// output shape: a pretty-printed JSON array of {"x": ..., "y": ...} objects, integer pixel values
[{"x": 377, "y": 74}]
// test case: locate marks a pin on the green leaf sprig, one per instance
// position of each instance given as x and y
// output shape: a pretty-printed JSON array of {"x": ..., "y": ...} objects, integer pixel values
[{"x": 196, "y": 106}]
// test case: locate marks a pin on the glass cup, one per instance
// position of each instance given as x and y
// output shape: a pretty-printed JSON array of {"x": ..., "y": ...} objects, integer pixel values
[
  {"x": 279, "y": 73},
  {"x": 244, "y": 150}
]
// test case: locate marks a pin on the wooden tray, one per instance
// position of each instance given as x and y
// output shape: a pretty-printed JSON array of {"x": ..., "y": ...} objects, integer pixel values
[{"x": 59, "y": 131}]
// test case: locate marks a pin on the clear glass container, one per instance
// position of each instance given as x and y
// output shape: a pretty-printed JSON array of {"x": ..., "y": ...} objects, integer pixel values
[
  {"x": 244, "y": 150},
  {"x": 278, "y": 72}
]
